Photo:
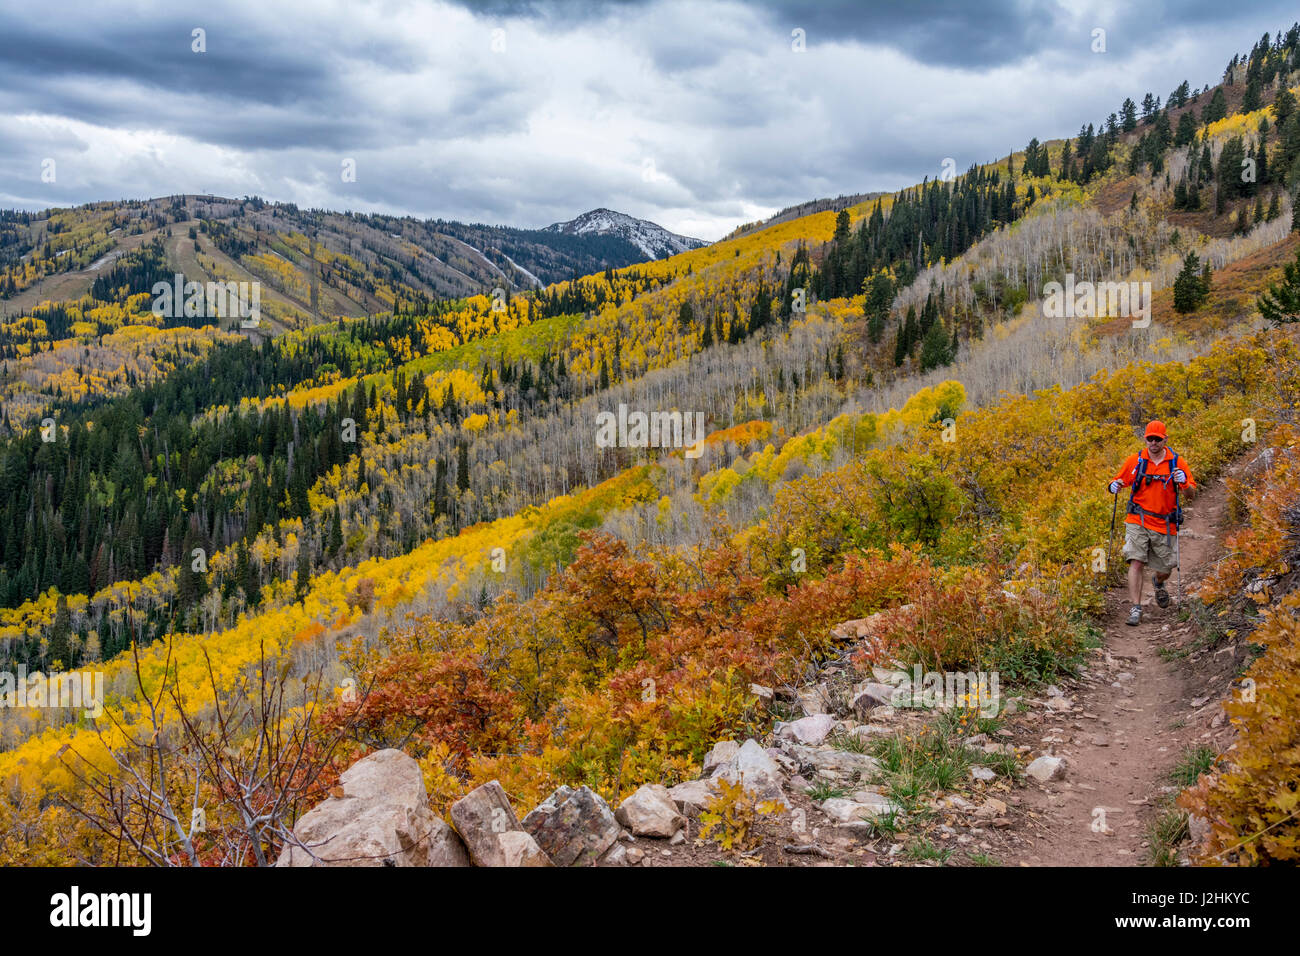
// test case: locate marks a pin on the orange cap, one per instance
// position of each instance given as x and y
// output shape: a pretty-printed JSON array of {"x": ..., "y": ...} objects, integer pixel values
[{"x": 1156, "y": 428}]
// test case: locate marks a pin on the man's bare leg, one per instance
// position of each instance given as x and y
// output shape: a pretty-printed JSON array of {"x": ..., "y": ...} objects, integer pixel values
[{"x": 1135, "y": 570}]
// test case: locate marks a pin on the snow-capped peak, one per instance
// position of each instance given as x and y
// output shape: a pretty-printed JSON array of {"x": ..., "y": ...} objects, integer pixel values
[{"x": 652, "y": 239}]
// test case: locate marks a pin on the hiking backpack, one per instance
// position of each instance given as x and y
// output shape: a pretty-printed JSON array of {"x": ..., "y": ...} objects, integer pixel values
[{"x": 1175, "y": 517}]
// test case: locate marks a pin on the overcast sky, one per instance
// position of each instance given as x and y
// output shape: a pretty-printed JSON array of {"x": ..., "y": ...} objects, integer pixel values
[{"x": 698, "y": 115}]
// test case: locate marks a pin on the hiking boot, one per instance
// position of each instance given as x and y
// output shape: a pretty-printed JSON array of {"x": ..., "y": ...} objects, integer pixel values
[
  {"x": 1134, "y": 616},
  {"x": 1162, "y": 596}
]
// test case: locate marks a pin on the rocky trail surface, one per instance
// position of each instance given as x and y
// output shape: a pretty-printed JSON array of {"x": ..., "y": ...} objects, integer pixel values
[{"x": 1132, "y": 715}]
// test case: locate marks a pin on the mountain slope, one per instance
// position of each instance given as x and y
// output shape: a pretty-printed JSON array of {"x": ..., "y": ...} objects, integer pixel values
[{"x": 653, "y": 240}]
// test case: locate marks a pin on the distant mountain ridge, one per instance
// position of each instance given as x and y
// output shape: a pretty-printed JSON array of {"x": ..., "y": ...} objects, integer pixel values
[{"x": 651, "y": 238}]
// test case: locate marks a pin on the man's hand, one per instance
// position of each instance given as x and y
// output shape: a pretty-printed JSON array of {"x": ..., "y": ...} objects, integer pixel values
[
  {"x": 1180, "y": 476},
  {"x": 1115, "y": 486}
]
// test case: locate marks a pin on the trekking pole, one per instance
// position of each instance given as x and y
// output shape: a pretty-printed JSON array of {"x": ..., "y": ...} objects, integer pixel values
[
  {"x": 1178, "y": 549},
  {"x": 1113, "y": 511}
]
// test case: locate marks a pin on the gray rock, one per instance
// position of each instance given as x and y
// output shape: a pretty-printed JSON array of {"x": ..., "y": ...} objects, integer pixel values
[
  {"x": 382, "y": 819},
  {"x": 850, "y": 811},
  {"x": 693, "y": 795},
  {"x": 755, "y": 769},
  {"x": 577, "y": 831},
  {"x": 722, "y": 752},
  {"x": 808, "y": 730},
  {"x": 764, "y": 694},
  {"x": 870, "y": 695},
  {"x": 827, "y": 761},
  {"x": 616, "y": 856},
  {"x": 480, "y": 817},
  {"x": 520, "y": 849},
  {"x": 1045, "y": 769},
  {"x": 867, "y": 731},
  {"x": 814, "y": 700},
  {"x": 787, "y": 763},
  {"x": 983, "y": 774},
  {"x": 650, "y": 811}
]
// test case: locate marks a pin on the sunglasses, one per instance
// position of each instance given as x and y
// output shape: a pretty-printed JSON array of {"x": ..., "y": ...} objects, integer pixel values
[{"x": 1155, "y": 438}]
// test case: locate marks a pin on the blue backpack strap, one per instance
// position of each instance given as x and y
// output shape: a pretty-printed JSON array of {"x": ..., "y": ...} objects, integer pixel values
[
  {"x": 1177, "y": 516},
  {"x": 1137, "y": 483}
]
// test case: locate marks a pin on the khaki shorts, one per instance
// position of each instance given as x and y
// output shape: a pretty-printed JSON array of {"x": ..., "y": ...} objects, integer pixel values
[{"x": 1152, "y": 548}]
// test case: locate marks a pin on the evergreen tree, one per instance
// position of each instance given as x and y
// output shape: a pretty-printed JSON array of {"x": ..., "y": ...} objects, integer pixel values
[
  {"x": 911, "y": 331},
  {"x": 842, "y": 226},
  {"x": 1216, "y": 109},
  {"x": 60, "y": 650},
  {"x": 334, "y": 539},
  {"x": 1252, "y": 100},
  {"x": 302, "y": 580},
  {"x": 462, "y": 466},
  {"x": 1284, "y": 105},
  {"x": 1280, "y": 303},
  {"x": 1150, "y": 106},
  {"x": 934, "y": 348},
  {"x": 685, "y": 317},
  {"x": 1128, "y": 116},
  {"x": 1189, "y": 292}
]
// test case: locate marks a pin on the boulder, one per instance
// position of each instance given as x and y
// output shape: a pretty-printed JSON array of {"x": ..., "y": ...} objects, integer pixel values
[
  {"x": 382, "y": 819},
  {"x": 842, "y": 810},
  {"x": 650, "y": 812},
  {"x": 764, "y": 694},
  {"x": 829, "y": 762},
  {"x": 573, "y": 827},
  {"x": 867, "y": 731},
  {"x": 693, "y": 796},
  {"x": 1045, "y": 769},
  {"x": 871, "y": 695},
  {"x": 481, "y": 817},
  {"x": 755, "y": 769},
  {"x": 520, "y": 849},
  {"x": 807, "y": 730},
  {"x": 723, "y": 751},
  {"x": 814, "y": 700},
  {"x": 983, "y": 774}
]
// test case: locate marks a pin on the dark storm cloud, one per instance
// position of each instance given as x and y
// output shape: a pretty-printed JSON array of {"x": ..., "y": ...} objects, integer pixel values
[{"x": 942, "y": 32}]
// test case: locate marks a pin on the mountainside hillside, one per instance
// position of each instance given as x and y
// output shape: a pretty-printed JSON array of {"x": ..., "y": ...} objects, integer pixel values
[
  {"x": 563, "y": 525},
  {"x": 360, "y": 263}
]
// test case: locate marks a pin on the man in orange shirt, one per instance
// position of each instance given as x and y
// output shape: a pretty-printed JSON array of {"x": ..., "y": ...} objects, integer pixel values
[{"x": 1151, "y": 529}]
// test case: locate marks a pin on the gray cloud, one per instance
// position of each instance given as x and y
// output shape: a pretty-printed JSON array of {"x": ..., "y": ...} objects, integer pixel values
[{"x": 683, "y": 112}]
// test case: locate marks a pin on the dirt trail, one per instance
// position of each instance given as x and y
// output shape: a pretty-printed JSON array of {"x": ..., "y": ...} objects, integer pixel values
[{"x": 1129, "y": 725}]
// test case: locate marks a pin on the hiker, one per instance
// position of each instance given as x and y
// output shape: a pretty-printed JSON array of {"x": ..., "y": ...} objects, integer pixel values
[{"x": 1156, "y": 474}]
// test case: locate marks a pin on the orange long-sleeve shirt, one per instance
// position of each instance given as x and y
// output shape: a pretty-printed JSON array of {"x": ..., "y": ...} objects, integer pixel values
[{"x": 1157, "y": 496}]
